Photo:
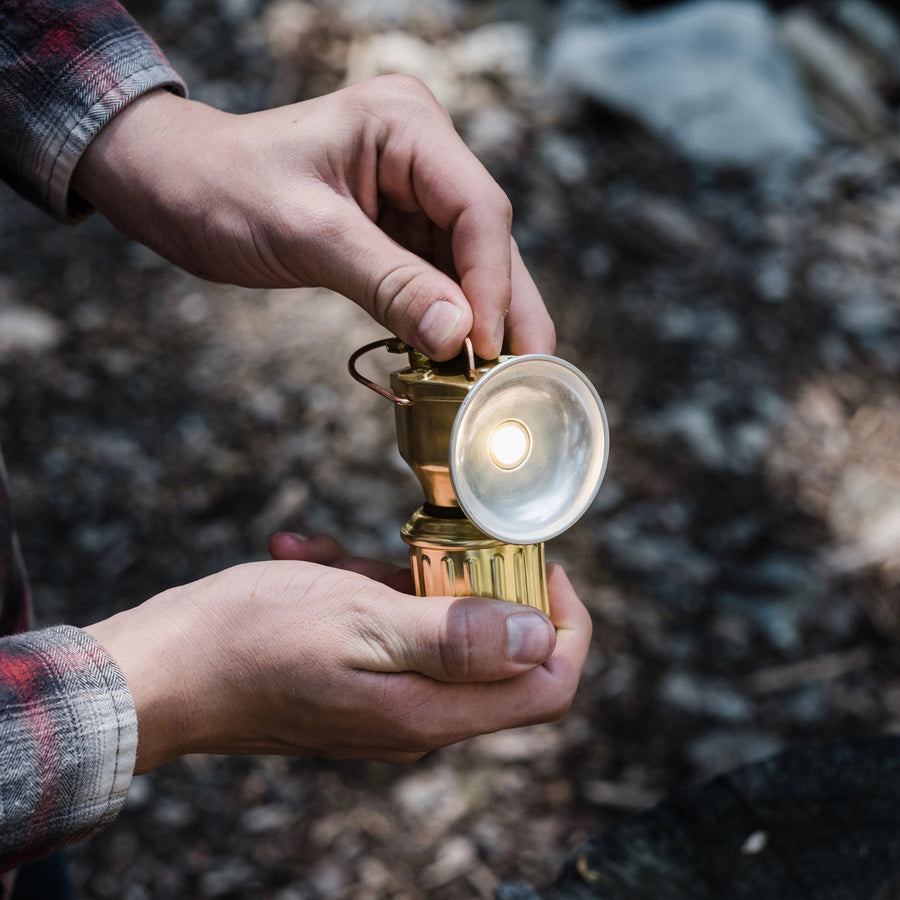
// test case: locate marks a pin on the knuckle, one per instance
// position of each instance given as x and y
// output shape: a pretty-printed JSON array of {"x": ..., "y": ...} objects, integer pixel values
[
  {"x": 406, "y": 88},
  {"x": 502, "y": 204},
  {"x": 403, "y": 97},
  {"x": 457, "y": 644},
  {"x": 493, "y": 202},
  {"x": 395, "y": 293}
]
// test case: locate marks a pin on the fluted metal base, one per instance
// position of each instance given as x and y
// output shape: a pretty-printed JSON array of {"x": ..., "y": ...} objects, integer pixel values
[{"x": 449, "y": 556}]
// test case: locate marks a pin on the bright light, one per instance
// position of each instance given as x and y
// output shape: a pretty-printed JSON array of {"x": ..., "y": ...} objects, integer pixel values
[{"x": 509, "y": 444}]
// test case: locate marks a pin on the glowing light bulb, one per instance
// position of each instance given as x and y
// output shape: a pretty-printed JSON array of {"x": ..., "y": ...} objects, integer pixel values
[{"x": 509, "y": 444}]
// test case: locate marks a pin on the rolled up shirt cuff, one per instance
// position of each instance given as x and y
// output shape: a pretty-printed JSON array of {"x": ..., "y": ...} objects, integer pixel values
[
  {"x": 140, "y": 71},
  {"x": 68, "y": 741},
  {"x": 65, "y": 70}
]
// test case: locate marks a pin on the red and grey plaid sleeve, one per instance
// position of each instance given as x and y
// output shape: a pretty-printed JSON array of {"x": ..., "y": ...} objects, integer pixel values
[
  {"x": 15, "y": 599},
  {"x": 68, "y": 727},
  {"x": 68, "y": 737},
  {"x": 66, "y": 68}
]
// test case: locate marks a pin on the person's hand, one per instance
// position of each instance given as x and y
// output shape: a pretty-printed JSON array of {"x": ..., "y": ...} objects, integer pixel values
[
  {"x": 369, "y": 191},
  {"x": 325, "y": 550},
  {"x": 319, "y": 659}
]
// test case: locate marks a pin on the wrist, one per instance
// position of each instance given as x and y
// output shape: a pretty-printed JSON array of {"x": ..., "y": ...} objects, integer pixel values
[
  {"x": 115, "y": 153},
  {"x": 145, "y": 170},
  {"x": 143, "y": 641}
]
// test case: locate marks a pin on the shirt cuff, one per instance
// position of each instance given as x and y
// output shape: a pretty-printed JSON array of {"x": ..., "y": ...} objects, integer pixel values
[
  {"x": 68, "y": 741},
  {"x": 142, "y": 71}
]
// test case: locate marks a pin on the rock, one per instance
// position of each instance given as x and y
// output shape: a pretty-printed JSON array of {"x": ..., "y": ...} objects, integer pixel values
[
  {"x": 494, "y": 132},
  {"x": 637, "y": 543},
  {"x": 707, "y": 76},
  {"x": 817, "y": 822},
  {"x": 173, "y": 813},
  {"x": 718, "y": 327},
  {"x": 488, "y": 65},
  {"x": 844, "y": 465},
  {"x": 619, "y": 795},
  {"x": 704, "y": 697},
  {"x": 773, "y": 277},
  {"x": 873, "y": 27},
  {"x": 329, "y": 879},
  {"x": 269, "y": 817},
  {"x": 695, "y": 425},
  {"x": 502, "y": 52},
  {"x": 516, "y": 890},
  {"x": 232, "y": 877},
  {"x": 519, "y": 744},
  {"x": 838, "y": 84},
  {"x": 456, "y": 856},
  {"x": 868, "y": 313},
  {"x": 284, "y": 509},
  {"x": 715, "y": 752},
  {"x": 656, "y": 227},
  {"x": 27, "y": 331},
  {"x": 391, "y": 52},
  {"x": 578, "y": 13},
  {"x": 386, "y": 13},
  {"x": 865, "y": 511},
  {"x": 421, "y": 793},
  {"x": 562, "y": 155}
]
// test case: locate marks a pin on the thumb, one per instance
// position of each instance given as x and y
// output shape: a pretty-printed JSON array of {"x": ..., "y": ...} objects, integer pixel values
[
  {"x": 467, "y": 639},
  {"x": 404, "y": 292}
]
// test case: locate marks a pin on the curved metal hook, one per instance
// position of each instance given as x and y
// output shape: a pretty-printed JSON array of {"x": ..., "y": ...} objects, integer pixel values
[{"x": 394, "y": 345}]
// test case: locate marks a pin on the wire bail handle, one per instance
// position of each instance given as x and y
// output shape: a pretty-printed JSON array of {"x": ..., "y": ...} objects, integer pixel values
[{"x": 395, "y": 345}]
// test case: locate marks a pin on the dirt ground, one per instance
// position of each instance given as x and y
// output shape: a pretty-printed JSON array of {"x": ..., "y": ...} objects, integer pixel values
[{"x": 740, "y": 562}]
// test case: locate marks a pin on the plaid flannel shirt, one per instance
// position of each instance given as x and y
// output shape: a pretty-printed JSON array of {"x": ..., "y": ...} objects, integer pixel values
[
  {"x": 66, "y": 68},
  {"x": 68, "y": 729}
]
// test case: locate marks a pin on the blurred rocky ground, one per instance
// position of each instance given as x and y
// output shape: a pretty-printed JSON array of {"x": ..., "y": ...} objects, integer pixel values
[{"x": 709, "y": 197}]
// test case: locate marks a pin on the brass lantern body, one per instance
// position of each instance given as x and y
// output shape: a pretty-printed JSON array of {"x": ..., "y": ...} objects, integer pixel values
[
  {"x": 509, "y": 453},
  {"x": 449, "y": 556}
]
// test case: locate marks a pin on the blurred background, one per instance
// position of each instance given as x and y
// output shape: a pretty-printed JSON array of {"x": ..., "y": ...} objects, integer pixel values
[{"x": 708, "y": 195}]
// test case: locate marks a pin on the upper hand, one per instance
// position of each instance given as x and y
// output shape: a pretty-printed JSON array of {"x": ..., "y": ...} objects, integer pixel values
[{"x": 369, "y": 191}]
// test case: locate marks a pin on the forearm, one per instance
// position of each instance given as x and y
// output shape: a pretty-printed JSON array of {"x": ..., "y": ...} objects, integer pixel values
[
  {"x": 66, "y": 68},
  {"x": 68, "y": 733}
]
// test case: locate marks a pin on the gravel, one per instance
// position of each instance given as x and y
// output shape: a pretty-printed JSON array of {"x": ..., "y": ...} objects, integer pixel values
[{"x": 741, "y": 562}]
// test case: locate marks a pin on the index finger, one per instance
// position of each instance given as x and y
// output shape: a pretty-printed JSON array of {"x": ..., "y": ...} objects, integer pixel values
[
  {"x": 433, "y": 170},
  {"x": 529, "y": 328}
]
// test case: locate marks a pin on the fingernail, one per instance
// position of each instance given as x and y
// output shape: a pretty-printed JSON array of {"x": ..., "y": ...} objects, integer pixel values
[
  {"x": 498, "y": 335},
  {"x": 529, "y": 637},
  {"x": 438, "y": 325}
]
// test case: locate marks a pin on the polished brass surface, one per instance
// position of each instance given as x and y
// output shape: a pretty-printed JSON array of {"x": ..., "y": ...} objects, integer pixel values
[
  {"x": 522, "y": 440},
  {"x": 449, "y": 556},
  {"x": 435, "y": 392}
]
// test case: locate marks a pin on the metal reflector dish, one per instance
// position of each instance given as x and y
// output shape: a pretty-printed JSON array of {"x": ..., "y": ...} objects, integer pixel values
[{"x": 528, "y": 449}]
